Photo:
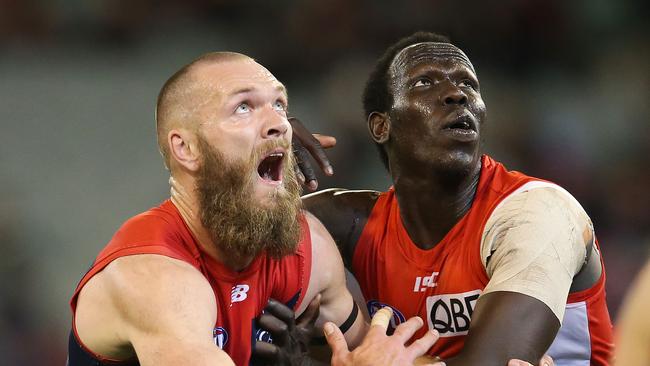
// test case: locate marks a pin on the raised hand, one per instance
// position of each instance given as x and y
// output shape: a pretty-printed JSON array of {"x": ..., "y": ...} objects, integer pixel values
[{"x": 306, "y": 144}]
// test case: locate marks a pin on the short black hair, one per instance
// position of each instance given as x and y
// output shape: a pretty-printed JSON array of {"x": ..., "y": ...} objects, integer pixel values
[{"x": 376, "y": 94}]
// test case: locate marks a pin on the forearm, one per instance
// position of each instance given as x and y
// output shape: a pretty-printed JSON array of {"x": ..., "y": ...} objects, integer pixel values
[{"x": 507, "y": 325}]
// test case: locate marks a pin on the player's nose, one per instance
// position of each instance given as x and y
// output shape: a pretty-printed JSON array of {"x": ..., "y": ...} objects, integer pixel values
[
  {"x": 274, "y": 124},
  {"x": 452, "y": 94}
]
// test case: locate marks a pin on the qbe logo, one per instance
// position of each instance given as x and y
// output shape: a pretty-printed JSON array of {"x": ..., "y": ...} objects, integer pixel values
[
  {"x": 450, "y": 314},
  {"x": 398, "y": 318},
  {"x": 220, "y": 337}
]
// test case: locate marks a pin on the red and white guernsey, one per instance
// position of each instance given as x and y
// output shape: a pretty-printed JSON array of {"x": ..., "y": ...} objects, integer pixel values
[
  {"x": 442, "y": 284},
  {"x": 241, "y": 296}
]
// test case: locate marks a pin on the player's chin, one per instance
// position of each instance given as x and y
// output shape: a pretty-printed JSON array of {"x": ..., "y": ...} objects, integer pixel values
[
  {"x": 462, "y": 159},
  {"x": 266, "y": 193}
]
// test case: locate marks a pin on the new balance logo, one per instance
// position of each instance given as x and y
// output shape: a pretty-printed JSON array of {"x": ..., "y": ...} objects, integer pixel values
[
  {"x": 422, "y": 283},
  {"x": 239, "y": 293}
]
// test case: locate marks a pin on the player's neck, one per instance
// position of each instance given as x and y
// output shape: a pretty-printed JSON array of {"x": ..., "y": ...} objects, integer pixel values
[
  {"x": 186, "y": 201},
  {"x": 430, "y": 206}
]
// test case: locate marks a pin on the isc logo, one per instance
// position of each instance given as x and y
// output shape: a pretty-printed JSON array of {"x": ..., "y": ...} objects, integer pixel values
[
  {"x": 422, "y": 283},
  {"x": 450, "y": 314}
]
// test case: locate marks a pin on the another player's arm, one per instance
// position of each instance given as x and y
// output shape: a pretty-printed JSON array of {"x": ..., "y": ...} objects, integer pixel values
[
  {"x": 327, "y": 294},
  {"x": 633, "y": 338},
  {"x": 328, "y": 279},
  {"x": 344, "y": 214},
  {"x": 162, "y": 307},
  {"x": 375, "y": 347},
  {"x": 536, "y": 255}
]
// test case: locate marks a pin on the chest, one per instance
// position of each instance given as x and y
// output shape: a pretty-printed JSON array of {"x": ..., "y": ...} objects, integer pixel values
[
  {"x": 441, "y": 286},
  {"x": 240, "y": 302}
]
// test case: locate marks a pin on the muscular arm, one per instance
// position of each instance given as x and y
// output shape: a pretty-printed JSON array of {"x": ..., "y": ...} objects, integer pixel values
[
  {"x": 328, "y": 293},
  {"x": 533, "y": 246},
  {"x": 507, "y": 325},
  {"x": 344, "y": 214},
  {"x": 161, "y": 308},
  {"x": 328, "y": 280}
]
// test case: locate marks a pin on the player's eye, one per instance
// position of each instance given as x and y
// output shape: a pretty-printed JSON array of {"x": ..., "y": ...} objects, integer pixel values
[
  {"x": 469, "y": 83},
  {"x": 242, "y": 108},
  {"x": 280, "y": 106},
  {"x": 422, "y": 82}
]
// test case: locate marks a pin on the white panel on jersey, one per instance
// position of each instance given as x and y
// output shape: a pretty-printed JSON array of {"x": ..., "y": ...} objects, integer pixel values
[{"x": 572, "y": 345}]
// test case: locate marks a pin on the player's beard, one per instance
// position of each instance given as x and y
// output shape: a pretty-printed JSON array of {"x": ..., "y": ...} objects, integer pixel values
[{"x": 240, "y": 227}]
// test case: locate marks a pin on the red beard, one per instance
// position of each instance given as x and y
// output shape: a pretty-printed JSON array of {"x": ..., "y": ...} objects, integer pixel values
[{"x": 240, "y": 227}]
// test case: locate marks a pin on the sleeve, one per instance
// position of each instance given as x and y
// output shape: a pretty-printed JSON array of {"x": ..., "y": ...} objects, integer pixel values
[{"x": 534, "y": 243}]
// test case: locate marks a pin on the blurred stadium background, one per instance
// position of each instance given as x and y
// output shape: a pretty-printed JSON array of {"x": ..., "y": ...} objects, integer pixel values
[{"x": 566, "y": 84}]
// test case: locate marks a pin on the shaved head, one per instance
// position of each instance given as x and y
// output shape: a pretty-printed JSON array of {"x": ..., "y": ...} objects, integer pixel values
[{"x": 180, "y": 97}]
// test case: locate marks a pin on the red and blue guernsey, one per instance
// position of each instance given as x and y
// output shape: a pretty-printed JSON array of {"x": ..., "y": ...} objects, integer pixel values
[{"x": 241, "y": 296}]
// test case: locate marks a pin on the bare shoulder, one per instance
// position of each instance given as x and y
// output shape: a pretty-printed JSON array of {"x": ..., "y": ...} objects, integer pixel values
[
  {"x": 321, "y": 240},
  {"x": 327, "y": 274},
  {"x": 141, "y": 294},
  {"x": 327, "y": 265},
  {"x": 154, "y": 277}
]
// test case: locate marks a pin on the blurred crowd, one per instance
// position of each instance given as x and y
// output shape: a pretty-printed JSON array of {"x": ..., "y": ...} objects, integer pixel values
[{"x": 566, "y": 84}]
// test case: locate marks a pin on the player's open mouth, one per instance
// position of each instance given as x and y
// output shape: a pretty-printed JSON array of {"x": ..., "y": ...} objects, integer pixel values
[
  {"x": 463, "y": 122},
  {"x": 461, "y": 128},
  {"x": 270, "y": 168}
]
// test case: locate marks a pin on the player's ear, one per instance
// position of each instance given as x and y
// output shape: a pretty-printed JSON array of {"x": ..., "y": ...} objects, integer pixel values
[
  {"x": 183, "y": 149},
  {"x": 379, "y": 126}
]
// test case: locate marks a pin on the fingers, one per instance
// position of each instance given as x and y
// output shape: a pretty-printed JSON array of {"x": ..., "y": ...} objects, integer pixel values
[
  {"x": 325, "y": 141},
  {"x": 336, "y": 340},
  {"x": 518, "y": 363},
  {"x": 310, "y": 314},
  {"x": 406, "y": 330},
  {"x": 279, "y": 330},
  {"x": 381, "y": 319},
  {"x": 299, "y": 175},
  {"x": 313, "y": 145},
  {"x": 439, "y": 363},
  {"x": 281, "y": 311},
  {"x": 317, "y": 151},
  {"x": 546, "y": 361},
  {"x": 278, "y": 320},
  {"x": 267, "y": 351},
  {"x": 423, "y": 344},
  {"x": 304, "y": 166}
]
